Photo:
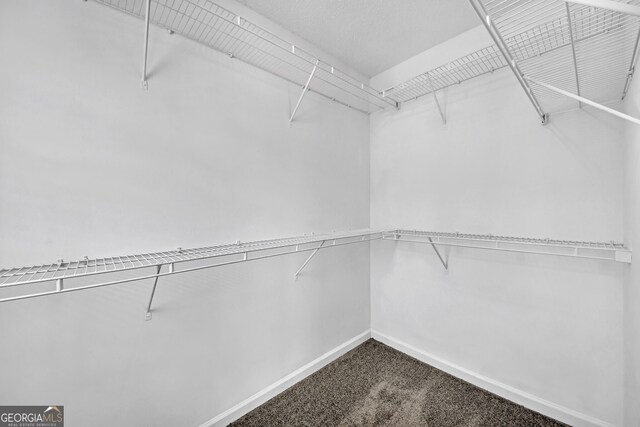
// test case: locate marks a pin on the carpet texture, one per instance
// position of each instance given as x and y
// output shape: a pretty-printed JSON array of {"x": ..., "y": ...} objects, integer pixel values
[{"x": 375, "y": 385}]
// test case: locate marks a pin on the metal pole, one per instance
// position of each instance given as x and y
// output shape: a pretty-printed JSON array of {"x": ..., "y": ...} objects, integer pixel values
[
  {"x": 573, "y": 51},
  {"x": 304, "y": 91},
  {"x": 625, "y": 8},
  {"x": 446, "y": 266},
  {"x": 309, "y": 259},
  {"x": 587, "y": 101},
  {"x": 146, "y": 45},
  {"x": 153, "y": 291},
  {"x": 444, "y": 118},
  {"x": 497, "y": 39},
  {"x": 632, "y": 67}
]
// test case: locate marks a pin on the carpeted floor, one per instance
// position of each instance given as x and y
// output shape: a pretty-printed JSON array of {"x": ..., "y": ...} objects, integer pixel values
[{"x": 375, "y": 385}]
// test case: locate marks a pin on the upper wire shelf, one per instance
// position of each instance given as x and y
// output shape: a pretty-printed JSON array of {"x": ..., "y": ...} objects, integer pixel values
[
  {"x": 542, "y": 36},
  {"x": 481, "y": 62},
  {"x": 215, "y": 27},
  {"x": 610, "y": 251},
  {"x": 584, "y": 50}
]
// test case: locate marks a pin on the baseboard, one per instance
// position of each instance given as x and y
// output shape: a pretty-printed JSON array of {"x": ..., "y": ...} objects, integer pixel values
[
  {"x": 560, "y": 413},
  {"x": 279, "y": 386}
]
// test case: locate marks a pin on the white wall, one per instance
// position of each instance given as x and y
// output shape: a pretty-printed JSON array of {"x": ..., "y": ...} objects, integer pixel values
[
  {"x": 93, "y": 165},
  {"x": 463, "y": 44},
  {"x": 548, "y": 327},
  {"x": 632, "y": 282}
]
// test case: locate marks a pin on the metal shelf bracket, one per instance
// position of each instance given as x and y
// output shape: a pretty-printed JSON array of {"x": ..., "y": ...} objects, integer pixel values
[
  {"x": 309, "y": 259},
  {"x": 504, "y": 49},
  {"x": 573, "y": 51},
  {"x": 444, "y": 263},
  {"x": 304, "y": 91},
  {"x": 144, "y": 83},
  {"x": 442, "y": 115},
  {"x": 153, "y": 292},
  {"x": 632, "y": 67}
]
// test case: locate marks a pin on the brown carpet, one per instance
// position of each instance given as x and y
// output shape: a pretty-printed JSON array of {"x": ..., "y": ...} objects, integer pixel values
[{"x": 375, "y": 385}]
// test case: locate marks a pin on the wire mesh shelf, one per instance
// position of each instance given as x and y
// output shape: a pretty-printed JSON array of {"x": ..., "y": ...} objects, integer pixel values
[
  {"x": 542, "y": 36},
  {"x": 207, "y": 23},
  {"x": 62, "y": 277},
  {"x": 138, "y": 266},
  {"x": 610, "y": 251},
  {"x": 588, "y": 51},
  {"x": 478, "y": 63}
]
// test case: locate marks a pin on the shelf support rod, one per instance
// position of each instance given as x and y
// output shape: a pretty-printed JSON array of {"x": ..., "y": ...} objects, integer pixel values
[
  {"x": 627, "y": 9},
  {"x": 573, "y": 51},
  {"x": 444, "y": 263},
  {"x": 632, "y": 67},
  {"x": 153, "y": 291},
  {"x": 145, "y": 85},
  {"x": 587, "y": 101},
  {"x": 444, "y": 118},
  {"x": 304, "y": 91},
  {"x": 498, "y": 40},
  {"x": 308, "y": 259}
]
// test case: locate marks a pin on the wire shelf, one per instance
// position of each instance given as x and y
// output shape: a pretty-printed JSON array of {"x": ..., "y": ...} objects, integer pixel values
[
  {"x": 584, "y": 50},
  {"x": 138, "y": 265},
  {"x": 473, "y": 65},
  {"x": 538, "y": 35},
  {"x": 610, "y": 251},
  {"x": 63, "y": 277},
  {"x": 207, "y": 23}
]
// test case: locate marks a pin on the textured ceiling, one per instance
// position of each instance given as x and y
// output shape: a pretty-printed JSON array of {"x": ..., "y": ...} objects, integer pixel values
[{"x": 370, "y": 35}]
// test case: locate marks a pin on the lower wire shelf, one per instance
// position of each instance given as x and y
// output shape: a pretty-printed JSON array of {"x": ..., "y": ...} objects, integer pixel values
[
  {"x": 51, "y": 279},
  {"x": 138, "y": 266},
  {"x": 610, "y": 251}
]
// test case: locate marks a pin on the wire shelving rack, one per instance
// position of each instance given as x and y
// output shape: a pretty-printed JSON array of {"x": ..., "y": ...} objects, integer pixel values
[
  {"x": 62, "y": 277},
  {"x": 585, "y": 50},
  {"x": 588, "y": 51},
  {"x": 609, "y": 251},
  {"x": 213, "y": 26}
]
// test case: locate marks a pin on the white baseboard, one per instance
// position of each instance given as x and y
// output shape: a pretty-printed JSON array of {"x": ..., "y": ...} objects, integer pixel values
[
  {"x": 560, "y": 413},
  {"x": 279, "y": 386}
]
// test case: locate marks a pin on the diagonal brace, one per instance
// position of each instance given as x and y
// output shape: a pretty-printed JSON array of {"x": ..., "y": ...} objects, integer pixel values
[
  {"x": 304, "y": 91},
  {"x": 444, "y": 118},
  {"x": 146, "y": 44},
  {"x": 573, "y": 51},
  {"x": 508, "y": 57},
  {"x": 308, "y": 259},
  {"x": 153, "y": 291},
  {"x": 444, "y": 263}
]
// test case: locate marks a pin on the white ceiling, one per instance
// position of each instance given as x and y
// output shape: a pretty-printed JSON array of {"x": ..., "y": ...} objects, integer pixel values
[{"x": 370, "y": 35}]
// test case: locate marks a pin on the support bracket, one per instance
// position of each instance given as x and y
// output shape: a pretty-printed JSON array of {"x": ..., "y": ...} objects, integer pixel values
[
  {"x": 309, "y": 259},
  {"x": 508, "y": 57},
  {"x": 153, "y": 291},
  {"x": 444, "y": 263},
  {"x": 304, "y": 91},
  {"x": 444, "y": 117},
  {"x": 632, "y": 67},
  {"x": 144, "y": 83},
  {"x": 573, "y": 51}
]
